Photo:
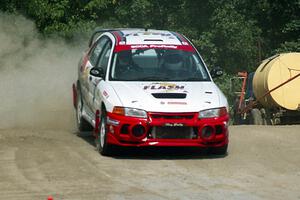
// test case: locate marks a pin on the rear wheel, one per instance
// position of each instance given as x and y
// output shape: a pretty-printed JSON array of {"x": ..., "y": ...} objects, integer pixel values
[
  {"x": 82, "y": 124},
  {"x": 101, "y": 139}
]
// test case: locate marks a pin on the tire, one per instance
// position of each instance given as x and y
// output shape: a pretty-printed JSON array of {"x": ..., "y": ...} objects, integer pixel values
[
  {"x": 101, "y": 140},
  {"x": 220, "y": 151},
  {"x": 82, "y": 124},
  {"x": 256, "y": 117}
]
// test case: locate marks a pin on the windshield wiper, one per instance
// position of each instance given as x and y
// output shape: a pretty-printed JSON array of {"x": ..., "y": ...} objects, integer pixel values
[{"x": 194, "y": 79}]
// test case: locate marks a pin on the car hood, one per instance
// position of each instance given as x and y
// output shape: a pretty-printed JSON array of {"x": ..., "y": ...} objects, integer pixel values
[{"x": 168, "y": 97}]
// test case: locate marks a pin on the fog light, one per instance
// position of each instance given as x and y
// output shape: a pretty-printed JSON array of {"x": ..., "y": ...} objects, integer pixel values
[
  {"x": 138, "y": 131},
  {"x": 207, "y": 131}
]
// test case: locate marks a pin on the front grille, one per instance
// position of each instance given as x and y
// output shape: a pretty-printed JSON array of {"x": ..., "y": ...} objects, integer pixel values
[{"x": 169, "y": 132}]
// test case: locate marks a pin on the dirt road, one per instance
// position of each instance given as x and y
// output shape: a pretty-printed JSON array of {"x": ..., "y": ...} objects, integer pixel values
[
  {"x": 263, "y": 163},
  {"x": 46, "y": 158}
]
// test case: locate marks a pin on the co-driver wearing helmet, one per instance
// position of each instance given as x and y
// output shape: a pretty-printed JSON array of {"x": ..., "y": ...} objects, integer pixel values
[{"x": 125, "y": 64}]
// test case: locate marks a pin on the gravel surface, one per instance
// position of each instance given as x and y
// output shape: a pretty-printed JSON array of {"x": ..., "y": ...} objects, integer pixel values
[
  {"x": 41, "y": 156},
  {"x": 262, "y": 163}
]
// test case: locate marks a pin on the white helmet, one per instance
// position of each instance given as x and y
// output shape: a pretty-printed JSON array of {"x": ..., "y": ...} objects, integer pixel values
[{"x": 173, "y": 61}]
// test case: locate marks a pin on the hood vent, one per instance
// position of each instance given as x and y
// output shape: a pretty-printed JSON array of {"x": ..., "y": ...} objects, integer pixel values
[
  {"x": 169, "y": 95},
  {"x": 153, "y": 40}
]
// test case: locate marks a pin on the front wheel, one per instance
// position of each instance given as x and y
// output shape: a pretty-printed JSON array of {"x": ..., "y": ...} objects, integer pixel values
[
  {"x": 82, "y": 124},
  {"x": 101, "y": 139}
]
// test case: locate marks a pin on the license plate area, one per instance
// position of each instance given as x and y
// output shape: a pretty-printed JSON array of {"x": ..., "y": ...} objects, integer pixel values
[{"x": 173, "y": 132}]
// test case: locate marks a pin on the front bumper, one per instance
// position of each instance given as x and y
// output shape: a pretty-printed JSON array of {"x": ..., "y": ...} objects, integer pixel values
[{"x": 122, "y": 130}]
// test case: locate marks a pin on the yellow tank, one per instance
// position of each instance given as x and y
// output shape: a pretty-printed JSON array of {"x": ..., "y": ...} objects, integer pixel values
[{"x": 274, "y": 71}]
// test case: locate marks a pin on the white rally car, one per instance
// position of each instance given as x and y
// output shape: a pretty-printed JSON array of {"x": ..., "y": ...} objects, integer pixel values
[{"x": 139, "y": 87}]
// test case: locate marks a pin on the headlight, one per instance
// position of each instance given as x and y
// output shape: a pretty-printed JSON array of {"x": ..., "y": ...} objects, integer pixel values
[
  {"x": 211, "y": 113},
  {"x": 130, "y": 112}
]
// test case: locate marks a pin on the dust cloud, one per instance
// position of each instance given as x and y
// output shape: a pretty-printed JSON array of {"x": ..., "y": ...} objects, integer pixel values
[{"x": 35, "y": 77}]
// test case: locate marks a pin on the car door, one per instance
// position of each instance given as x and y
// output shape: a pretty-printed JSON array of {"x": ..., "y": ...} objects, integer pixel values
[
  {"x": 102, "y": 64},
  {"x": 89, "y": 81}
]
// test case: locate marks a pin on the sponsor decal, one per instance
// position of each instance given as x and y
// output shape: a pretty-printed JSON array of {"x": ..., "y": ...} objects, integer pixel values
[
  {"x": 140, "y": 46},
  {"x": 124, "y": 47},
  {"x": 163, "y": 86},
  {"x": 152, "y": 46},
  {"x": 163, "y": 46},
  {"x": 105, "y": 94},
  {"x": 174, "y": 124},
  {"x": 177, "y": 103}
]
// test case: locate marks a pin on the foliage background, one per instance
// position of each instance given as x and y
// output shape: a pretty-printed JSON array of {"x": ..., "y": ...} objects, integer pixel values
[{"x": 233, "y": 34}]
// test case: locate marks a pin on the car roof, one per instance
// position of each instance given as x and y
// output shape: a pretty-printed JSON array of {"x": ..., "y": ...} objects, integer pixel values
[
  {"x": 148, "y": 36},
  {"x": 135, "y": 38}
]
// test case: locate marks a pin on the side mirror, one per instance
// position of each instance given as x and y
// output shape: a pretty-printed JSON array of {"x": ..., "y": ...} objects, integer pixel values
[
  {"x": 216, "y": 72},
  {"x": 97, "y": 72}
]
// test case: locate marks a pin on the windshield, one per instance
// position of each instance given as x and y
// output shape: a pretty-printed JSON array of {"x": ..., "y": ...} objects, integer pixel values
[{"x": 157, "y": 65}]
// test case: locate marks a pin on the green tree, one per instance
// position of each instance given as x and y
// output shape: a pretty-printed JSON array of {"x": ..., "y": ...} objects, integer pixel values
[
  {"x": 233, "y": 34},
  {"x": 236, "y": 39}
]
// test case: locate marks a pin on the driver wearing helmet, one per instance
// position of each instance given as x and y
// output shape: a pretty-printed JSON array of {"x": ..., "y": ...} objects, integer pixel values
[
  {"x": 125, "y": 64},
  {"x": 125, "y": 59},
  {"x": 172, "y": 62}
]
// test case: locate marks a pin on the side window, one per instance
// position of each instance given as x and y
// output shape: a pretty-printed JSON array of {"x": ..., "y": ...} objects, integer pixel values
[
  {"x": 97, "y": 50},
  {"x": 199, "y": 67},
  {"x": 103, "y": 62}
]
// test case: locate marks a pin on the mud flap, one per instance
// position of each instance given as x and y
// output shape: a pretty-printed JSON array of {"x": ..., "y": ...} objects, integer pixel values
[
  {"x": 74, "y": 95},
  {"x": 97, "y": 123}
]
